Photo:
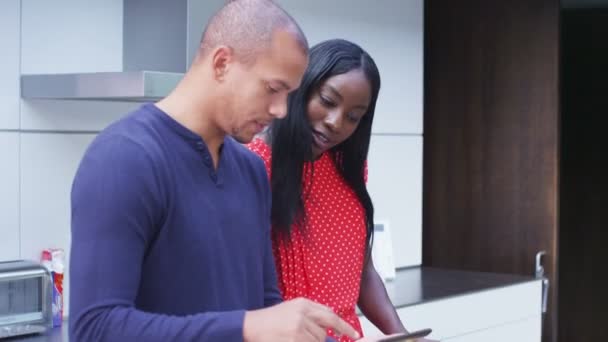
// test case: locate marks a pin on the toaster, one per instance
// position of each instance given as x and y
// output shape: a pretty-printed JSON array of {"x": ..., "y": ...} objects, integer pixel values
[{"x": 25, "y": 298}]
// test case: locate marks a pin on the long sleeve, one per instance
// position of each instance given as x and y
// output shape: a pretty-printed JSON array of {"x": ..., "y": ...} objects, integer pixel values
[
  {"x": 272, "y": 295},
  {"x": 117, "y": 208}
]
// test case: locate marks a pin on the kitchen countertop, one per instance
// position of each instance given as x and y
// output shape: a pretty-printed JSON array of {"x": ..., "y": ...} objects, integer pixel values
[
  {"x": 414, "y": 285},
  {"x": 59, "y": 334}
]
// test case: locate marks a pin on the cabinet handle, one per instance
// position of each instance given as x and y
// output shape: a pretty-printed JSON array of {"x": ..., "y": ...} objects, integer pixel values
[{"x": 539, "y": 272}]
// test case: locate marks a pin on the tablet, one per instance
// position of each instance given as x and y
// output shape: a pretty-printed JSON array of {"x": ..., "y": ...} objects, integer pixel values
[{"x": 406, "y": 336}]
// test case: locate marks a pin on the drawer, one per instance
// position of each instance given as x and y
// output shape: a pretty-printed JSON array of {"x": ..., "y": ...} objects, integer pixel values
[{"x": 469, "y": 313}]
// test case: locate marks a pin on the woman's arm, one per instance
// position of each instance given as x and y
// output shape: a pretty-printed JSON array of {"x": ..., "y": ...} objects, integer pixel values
[{"x": 375, "y": 304}]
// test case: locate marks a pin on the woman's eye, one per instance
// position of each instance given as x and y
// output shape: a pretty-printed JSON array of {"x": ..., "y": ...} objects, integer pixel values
[
  {"x": 327, "y": 102},
  {"x": 353, "y": 118}
]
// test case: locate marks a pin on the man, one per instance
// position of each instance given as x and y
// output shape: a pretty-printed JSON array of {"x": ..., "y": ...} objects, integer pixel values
[{"x": 171, "y": 215}]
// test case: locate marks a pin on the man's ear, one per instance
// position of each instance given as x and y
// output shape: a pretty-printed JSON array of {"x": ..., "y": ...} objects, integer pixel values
[{"x": 222, "y": 59}]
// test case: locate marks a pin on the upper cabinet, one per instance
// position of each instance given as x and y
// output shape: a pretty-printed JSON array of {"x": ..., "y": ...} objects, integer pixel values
[
  {"x": 9, "y": 64},
  {"x": 9, "y": 200},
  {"x": 48, "y": 164}
]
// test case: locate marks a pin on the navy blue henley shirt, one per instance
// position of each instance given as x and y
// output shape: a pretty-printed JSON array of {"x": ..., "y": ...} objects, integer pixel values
[{"x": 165, "y": 247}]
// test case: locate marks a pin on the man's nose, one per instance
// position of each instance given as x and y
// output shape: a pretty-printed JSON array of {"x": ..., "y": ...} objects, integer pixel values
[{"x": 278, "y": 109}]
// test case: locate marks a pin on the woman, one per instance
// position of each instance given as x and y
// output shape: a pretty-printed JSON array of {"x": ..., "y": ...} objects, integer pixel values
[{"x": 322, "y": 214}]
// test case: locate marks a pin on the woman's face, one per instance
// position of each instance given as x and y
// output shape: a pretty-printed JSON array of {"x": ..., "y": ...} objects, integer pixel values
[{"x": 336, "y": 108}]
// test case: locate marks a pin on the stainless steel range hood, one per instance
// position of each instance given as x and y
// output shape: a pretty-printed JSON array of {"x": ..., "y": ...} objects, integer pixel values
[
  {"x": 160, "y": 38},
  {"x": 138, "y": 86}
]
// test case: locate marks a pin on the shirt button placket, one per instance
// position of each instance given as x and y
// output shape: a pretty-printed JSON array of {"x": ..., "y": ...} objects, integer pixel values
[{"x": 206, "y": 159}]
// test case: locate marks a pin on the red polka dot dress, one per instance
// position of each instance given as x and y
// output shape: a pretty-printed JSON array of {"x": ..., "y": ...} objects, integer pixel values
[{"x": 325, "y": 263}]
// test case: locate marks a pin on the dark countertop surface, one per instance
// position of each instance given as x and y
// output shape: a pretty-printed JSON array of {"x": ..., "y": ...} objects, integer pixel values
[
  {"x": 412, "y": 286},
  {"x": 416, "y": 285}
]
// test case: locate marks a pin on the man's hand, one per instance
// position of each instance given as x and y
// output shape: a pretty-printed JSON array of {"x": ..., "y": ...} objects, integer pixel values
[{"x": 298, "y": 320}]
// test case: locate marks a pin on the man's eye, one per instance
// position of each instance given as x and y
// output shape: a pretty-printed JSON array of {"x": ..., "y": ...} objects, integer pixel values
[{"x": 271, "y": 89}]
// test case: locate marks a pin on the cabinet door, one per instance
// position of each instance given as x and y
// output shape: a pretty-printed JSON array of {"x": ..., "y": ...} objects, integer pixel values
[
  {"x": 9, "y": 63},
  {"x": 468, "y": 314},
  {"x": 48, "y": 164},
  {"x": 491, "y": 138},
  {"x": 9, "y": 195},
  {"x": 527, "y": 330}
]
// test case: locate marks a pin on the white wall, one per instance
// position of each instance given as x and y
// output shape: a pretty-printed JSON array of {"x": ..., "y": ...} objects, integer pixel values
[
  {"x": 42, "y": 141},
  {"x": 67, "y": 36},
  {"x": 64, "y": 36},
  {"x": 199, "y": 13},
  {"x": 395, "y": 184},
  {"x": 391, "y": 31}
]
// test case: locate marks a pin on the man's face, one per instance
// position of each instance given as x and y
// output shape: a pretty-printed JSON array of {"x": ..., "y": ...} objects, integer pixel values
[{"x": 257, "y": 93}]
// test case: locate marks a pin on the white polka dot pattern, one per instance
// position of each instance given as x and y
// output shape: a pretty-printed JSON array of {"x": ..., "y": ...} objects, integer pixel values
[{"x": 325, "y": 262}]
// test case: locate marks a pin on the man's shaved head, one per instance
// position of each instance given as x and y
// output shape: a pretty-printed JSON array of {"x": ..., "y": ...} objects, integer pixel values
[
  {"x": 247, "y": 27},
  {"x": 251, "y": 56}
]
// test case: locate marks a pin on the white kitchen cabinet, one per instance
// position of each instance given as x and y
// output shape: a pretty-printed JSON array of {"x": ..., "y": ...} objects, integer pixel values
[
  {"x": 9, "y": 195},
  {"x": 502, "y": 314},
  {"x": 48, "y": 165},
  {"x": 526, "y": 330},
  {"x": 64, "y": 115},
  {"x": 395, "y": 186},
  {"x": 9, "y": 63}
]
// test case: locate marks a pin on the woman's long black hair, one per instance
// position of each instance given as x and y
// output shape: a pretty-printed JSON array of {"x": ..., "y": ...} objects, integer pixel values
[{"x": 291, "y": 138}]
